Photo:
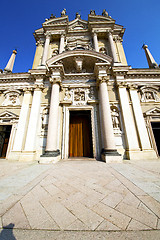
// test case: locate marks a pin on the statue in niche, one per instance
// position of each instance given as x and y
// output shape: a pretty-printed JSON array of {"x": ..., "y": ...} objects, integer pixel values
[
  {"x": 105, "y": 13},
  {"x": 115, "y": 119},
  {"x": 55, "y": 52},
  {"x": 63, "y": 13},
  {"x": 92, "y": 12}
]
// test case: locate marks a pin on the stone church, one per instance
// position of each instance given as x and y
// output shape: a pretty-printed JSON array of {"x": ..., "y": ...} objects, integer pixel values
[{"x": 80, "y": 99}]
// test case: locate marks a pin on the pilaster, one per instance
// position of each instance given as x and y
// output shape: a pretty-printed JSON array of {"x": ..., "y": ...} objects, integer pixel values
[
  {"x": 22, "y": 126},
  {"x": 140, "y": 124}
]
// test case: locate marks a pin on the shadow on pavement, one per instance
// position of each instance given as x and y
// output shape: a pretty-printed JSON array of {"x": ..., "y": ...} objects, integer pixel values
[{"x": 7, "y": 232}]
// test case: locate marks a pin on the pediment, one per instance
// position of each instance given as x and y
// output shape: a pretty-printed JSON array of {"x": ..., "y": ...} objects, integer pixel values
[
  {"x": 100, "y": 19},
  {"x": 56, "y": 21},
  {"x": 153, "y": 112},
  {"x": 6, "y": 115},
  {"x": 78, "y": 24}
]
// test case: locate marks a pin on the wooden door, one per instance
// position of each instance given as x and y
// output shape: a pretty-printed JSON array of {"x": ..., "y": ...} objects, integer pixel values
[
  {"x": 80, "y": 138},
  {"x": 4, "y": 140}
]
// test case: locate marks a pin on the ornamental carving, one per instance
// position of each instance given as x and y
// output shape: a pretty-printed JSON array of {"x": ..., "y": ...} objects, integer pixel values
[
  {"x": 79, "y": 96},
  {"x": 149, "y": 94},
  {"x": 75, "y": 43},
  {"x": 8, "y": 117},
  {"x": 11, "y": 98}
]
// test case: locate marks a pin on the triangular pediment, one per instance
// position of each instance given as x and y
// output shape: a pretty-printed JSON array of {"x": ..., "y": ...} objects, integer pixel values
[
  {"x": 56, "y": 21},
  {"x": 8, "y": 115},
  {"x": 153, "y": 112},
  {"x": 78, "y": 24},
  {"x": 100, "y": 19}
]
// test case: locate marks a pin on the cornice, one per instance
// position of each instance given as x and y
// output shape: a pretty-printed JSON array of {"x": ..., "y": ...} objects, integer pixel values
[
  {"x": 16, "y": 77},
  {"x": 143, "y": 73}
]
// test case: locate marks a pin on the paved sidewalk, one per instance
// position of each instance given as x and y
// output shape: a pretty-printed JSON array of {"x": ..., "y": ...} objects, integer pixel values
[{"x": 80, "y": 200}]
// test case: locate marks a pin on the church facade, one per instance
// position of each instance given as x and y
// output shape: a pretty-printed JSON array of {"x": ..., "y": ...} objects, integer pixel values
[{"x": 80, "y": 99}]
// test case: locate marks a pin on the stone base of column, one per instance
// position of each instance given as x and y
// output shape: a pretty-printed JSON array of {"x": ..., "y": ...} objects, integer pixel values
[
  {"x": 27, "y": 156},
  {"x": 110, "y": 155},
  {"x": 141, "y": 155},
  {"x": 50, "y": 157},
  {"x": 14, "y": 156}
]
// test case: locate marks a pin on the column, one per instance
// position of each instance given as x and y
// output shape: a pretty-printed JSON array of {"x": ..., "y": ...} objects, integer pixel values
[
  {"x": 61, "y": 47},
  {"x": 33, "y": 120},
  {"x": 140, "y": 123},
  {"x": 22, "y": 123},
  {"x": 129, "y": 125},
  {"x": 45, "y": 51},
  {"x": 109, "y": 152},
  {"x": 95, "y": 42},
  {"x": 52, "y": 135},
  {"x": 113, "y": 50}
]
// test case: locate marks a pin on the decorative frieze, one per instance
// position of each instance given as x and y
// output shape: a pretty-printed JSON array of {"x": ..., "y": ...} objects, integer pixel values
[
  {"x": 79, "y": 96},
  {"x": 149, "y": 94},
  {"x": 11, "y": 98}
]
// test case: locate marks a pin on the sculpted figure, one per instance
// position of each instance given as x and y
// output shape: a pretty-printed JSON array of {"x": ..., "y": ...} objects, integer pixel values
[
  {"x": 78, "y": 15},
  {"x": 92, "y": 12},
  {"x": 104, "y": 13},
  {"x": 63, "y": 13},
  {"x": 115, "y": 118}
]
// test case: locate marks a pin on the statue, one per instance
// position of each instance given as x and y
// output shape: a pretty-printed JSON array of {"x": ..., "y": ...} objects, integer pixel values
[
  {"x": 92, "y": 12},
  {"x": 115, "y": 119},
  {"x": 52, "y": 16},
  {"x": 78, "y": 15},
  {"x": 105, "y": 13},
  {"x": 63, "y": 13}
]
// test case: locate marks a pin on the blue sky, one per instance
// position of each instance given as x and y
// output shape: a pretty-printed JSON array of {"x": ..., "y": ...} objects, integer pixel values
[{"x": 19, "y": 19}]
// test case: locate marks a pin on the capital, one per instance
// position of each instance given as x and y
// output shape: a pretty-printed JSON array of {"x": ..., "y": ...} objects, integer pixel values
[
  {"x": 132, "y": 86},
  {"x": 38, "y": 87},
  {"x": 102, "y": 79},
  {"x": 56, "y": 80},
  {"x": 121, "y": 84},
  {"x": 48, "y": 35},
  {"x": 27, "y": 90}
]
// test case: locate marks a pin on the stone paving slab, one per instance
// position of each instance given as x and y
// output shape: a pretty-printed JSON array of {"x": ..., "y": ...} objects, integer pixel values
[
  {"x": 18, "y": 234},
  {"x": 80, "y": 197}
]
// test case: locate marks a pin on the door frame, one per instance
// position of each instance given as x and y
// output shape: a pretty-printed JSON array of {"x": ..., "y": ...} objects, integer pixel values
[
  {"x": 94, "y": 128},
  {"x": 11, "y": 137}
]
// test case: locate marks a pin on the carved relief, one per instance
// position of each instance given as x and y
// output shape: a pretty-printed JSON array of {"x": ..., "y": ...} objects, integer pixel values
[
  {"x": 149, "y": 94},
  {"x": 79, "y": 96},
  {"x": 11, "y": 98},
  {"x": 74, "y": 43}
]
